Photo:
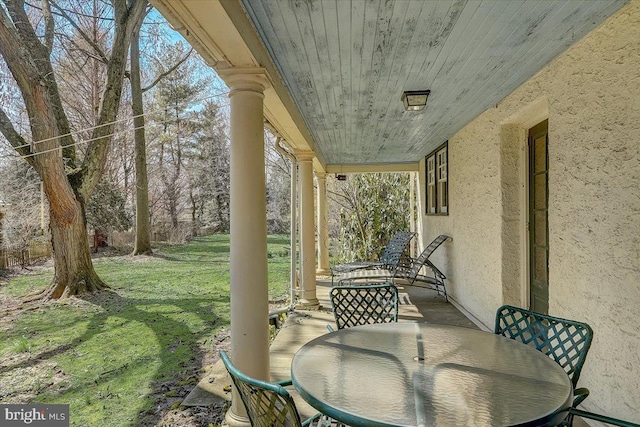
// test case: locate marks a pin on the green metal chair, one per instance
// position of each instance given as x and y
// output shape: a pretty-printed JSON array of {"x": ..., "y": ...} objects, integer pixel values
[
  {"x": 565, "y": 341},
  {"x": 270, "y": 404},
  {"x": 364, "y": 304},
  {"x": 602, "y": 418}
]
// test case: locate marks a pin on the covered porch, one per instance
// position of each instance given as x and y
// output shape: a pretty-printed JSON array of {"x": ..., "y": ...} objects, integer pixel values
[
  {"x": 301, "y": 326},
  {"x": 526, "y": 152}
]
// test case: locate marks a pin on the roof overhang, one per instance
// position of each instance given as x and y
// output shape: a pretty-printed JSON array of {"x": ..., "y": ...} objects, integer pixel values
[
  {"x": 223, "y": 35},
  {"x": 337, "y": 69}
]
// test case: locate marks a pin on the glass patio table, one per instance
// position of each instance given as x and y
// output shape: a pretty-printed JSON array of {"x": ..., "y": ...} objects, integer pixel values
[{"x": 417, "y": 374}]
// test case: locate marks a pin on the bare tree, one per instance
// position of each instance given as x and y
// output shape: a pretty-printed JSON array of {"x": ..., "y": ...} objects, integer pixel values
[
  {"x": 68, "y": 179},
  {"x": 278, "y": 181},
  {"x": 143, "y": 223},
  {"x": 143, "y": 235}
]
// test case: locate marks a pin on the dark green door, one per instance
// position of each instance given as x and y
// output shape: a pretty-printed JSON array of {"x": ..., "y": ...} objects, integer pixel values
[{"x": 538, "y": 217}]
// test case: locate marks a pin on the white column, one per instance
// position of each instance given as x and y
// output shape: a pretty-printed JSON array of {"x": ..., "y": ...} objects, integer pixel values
[
  {"x": 412, "y": 211},
  {"x": 323, "y": 224},
  {"x": 308, "y": 297},
  {"x": 249, "y": 292}
]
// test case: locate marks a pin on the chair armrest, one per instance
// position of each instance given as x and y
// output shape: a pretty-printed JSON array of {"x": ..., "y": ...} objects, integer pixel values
[
  {"x": 321, "y": 420},
  {"x": 602, "y": 418},
  {"x": 310, "y": 420},
  {"x": 285, "y": 383},
  {"x": 579, "y": 395},
  {"x": 439, "y": 274}
]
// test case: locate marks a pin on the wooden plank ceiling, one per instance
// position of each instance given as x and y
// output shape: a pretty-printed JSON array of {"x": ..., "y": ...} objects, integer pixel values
[{"x": 347, "y": 62}]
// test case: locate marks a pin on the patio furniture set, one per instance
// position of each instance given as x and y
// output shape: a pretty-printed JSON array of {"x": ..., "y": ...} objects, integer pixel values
[{"x": 374, "y": 371}]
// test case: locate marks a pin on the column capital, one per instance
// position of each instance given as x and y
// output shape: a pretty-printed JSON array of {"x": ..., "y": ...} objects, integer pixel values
[
  {"x": 252, "y": 79},
  {"x": 304, "y": 155},
  {"x": 321, "y": 175}
]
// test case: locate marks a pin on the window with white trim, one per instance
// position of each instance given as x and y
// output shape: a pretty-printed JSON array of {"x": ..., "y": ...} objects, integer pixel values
[{"x": 437, "y": 171}]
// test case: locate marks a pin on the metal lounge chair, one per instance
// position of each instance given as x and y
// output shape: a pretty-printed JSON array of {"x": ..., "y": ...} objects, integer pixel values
[
  {"x": 395, "y": 253},
  {"x": 410, "y": 275},
  {"x": 270, "y": 404},
  {"x": 364, "y": 304},
  {"x": 565, "y": 341}
]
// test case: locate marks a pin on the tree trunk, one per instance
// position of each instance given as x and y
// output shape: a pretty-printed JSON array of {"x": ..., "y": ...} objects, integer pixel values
[
  {"x": 194, "y": 213},
  {"x": 52, "y": 152},
  {"x": 223, "y": 217},
  {"x": 74, "y": 273},
  {"x": 2, "y": 263},
  {"x": 143, "y": 236}
]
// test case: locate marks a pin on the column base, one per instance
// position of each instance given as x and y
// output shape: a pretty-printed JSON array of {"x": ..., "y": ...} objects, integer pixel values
[
  {"x": 235, "y": 420},
  {"x": 308, "y": 304},
  {"x": 323, "y": 271}
]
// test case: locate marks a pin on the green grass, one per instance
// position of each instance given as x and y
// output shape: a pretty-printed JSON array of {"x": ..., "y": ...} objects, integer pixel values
[{"x": 106, "y": 354}]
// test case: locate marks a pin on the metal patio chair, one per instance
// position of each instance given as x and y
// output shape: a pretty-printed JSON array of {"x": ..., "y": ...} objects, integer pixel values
[
  {"x": 602, "y": 418},
  {"x": 412, "y": 274},
  {"x": 364, "y": 304},
  {"x": 395, "y": 254},
  {"x": 565, "y": 341},
  {"x": 270, "y": 404}
]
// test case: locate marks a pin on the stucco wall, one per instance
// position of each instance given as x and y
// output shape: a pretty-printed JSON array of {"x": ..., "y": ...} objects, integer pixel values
[{"x": 591, "y": 96}]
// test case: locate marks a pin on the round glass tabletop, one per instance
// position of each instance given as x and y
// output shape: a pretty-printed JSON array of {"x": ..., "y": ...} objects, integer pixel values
[{"x": 416, "y": 374}]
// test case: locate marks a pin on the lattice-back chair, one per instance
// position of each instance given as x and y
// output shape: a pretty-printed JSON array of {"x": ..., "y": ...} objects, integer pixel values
[
  {"x": 565, "y": 341},
  {"x": 270, "y": 404},
  {"x": 364, "y": 304}
]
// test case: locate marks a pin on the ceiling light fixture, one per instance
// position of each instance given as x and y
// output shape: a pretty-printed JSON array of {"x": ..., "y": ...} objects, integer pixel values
[{"x": 415, "y": 100}]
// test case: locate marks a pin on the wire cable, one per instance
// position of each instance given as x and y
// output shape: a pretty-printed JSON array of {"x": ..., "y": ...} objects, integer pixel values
[
  {"x": 86, "y": 141},
  {"x": 75, "y": 132}
]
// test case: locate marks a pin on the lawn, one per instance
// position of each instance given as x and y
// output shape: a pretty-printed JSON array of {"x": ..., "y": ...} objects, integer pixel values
[{"x": 126, "y": 357}]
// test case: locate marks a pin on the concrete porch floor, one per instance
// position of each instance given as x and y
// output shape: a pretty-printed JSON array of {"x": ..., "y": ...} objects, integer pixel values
[
  {"x": 416, "y": 305},
  {"x": 301, "y": 326}
]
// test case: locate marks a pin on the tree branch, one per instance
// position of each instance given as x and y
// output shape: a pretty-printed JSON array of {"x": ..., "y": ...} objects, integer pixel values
[
  {"x": 83, "y": 34},
  {"x": 29, "y": 62},
  {"x": 126, "y": 19},
  {"x": 79, "y": 48},
  {"x": 15, "y": 139},
  {"x": 342, "y": 195},
  {"x": 49, "y": 25},
  {"x": 166, "y": 73},
  {"x": 72, "y": 12}
]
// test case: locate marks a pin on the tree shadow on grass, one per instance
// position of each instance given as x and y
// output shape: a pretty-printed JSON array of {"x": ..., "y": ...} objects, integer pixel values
[{"x": 177, "y": 356}]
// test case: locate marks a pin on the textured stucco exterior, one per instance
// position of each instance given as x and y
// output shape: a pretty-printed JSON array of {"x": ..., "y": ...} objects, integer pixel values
[{"x": 591, "y": 97}]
